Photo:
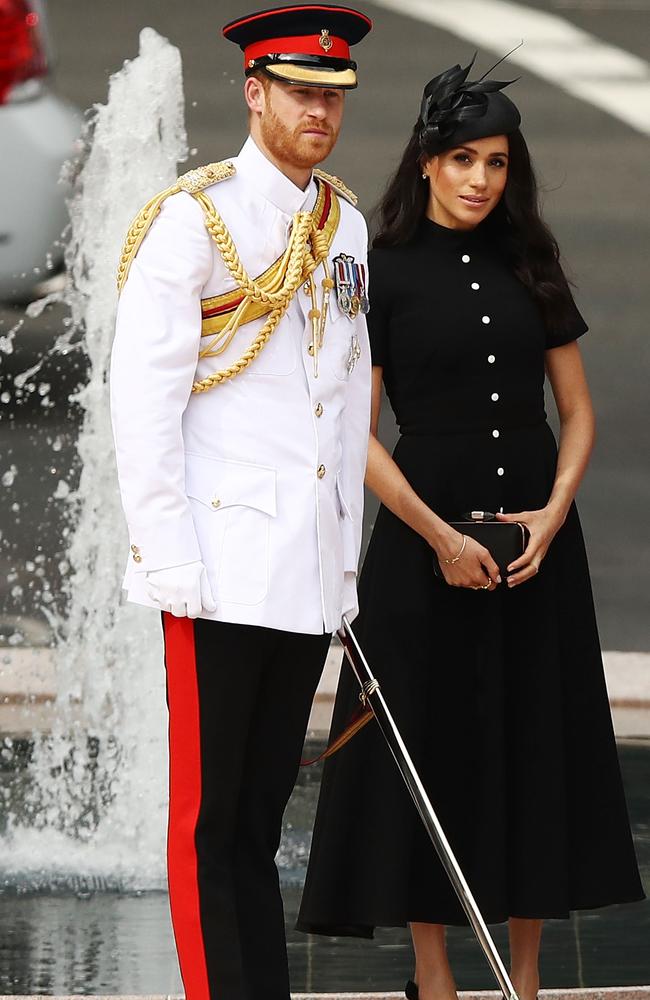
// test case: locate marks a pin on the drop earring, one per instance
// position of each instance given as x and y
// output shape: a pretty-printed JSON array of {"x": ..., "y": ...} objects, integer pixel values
[{"x": 424, "y": 177}]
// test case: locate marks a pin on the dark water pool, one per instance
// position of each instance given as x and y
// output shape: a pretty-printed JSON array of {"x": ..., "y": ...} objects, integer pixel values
[{"x": 72, "y": 939}]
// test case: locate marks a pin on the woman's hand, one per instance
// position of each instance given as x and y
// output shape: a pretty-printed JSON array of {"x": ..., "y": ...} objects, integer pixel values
[
  {"x": 475, "y": 568},
  {"x": 543, "y": 526}
]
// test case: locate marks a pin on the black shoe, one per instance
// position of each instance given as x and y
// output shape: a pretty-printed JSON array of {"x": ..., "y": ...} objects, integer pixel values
[{"x": 412, "y": 991}]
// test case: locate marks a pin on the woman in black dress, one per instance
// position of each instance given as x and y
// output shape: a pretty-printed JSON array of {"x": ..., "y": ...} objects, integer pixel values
[{"x": 496, "y": 684}]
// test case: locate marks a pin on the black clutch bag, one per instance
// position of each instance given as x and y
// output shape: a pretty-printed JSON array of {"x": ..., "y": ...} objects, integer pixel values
[{"x": 505, "y": 540}]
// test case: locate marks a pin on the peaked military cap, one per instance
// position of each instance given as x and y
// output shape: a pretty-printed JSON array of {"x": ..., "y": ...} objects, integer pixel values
[{"x": 307, "y": 44}]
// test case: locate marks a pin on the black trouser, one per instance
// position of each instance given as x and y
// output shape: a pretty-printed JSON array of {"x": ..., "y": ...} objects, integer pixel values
[{"x": 239, "y": 698}]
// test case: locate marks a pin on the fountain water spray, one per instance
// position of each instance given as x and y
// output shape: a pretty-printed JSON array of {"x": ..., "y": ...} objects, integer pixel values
[{"x": 96, "y": 803}]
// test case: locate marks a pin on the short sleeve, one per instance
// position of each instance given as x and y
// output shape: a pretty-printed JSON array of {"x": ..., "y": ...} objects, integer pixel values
[
  {"x": 572, "y": 327},
  {"x": 379, "y": 315}
]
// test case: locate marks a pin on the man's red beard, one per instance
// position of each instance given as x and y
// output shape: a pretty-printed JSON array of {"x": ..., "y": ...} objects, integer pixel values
[{"x": 293, "y": 146}]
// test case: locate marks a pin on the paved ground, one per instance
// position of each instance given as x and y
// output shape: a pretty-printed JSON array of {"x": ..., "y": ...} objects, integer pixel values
[{"x": 594, "y": 172}]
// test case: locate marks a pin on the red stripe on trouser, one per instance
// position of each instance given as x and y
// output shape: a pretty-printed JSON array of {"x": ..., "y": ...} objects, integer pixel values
[{"x": 184, "y": 803}]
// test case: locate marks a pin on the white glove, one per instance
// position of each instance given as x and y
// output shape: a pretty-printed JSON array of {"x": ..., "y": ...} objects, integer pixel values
[{"x": 182, "y": 590}]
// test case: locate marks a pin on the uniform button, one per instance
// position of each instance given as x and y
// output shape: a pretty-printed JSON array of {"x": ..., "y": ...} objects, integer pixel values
[
  {"x": 495, "y": 434},
  {"x": 216, "y": 503},
  {"x": 320, "y": 472},
  {"x": 319, "y": 410},
  {"x": 500, "y": 471},
  {"x": 475, "y": 286},
  {"x": 491, "y": 359},
  {"x": 485, "y": 319},
  {"x": 310, "y": 350},
  {"x": 134, "y": 548},
  {"x": 306, "y": 288},
  {"x": 137, "y": 557},
  {"x": 494, "y": 397},
  {"x": 465, "y": 258}
]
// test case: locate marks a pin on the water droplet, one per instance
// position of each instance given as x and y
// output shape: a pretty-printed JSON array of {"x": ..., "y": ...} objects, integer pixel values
[
  {"x": 17, "y": 591},
  {"x": 9, "y": 476},
  {"x": 30, "y": 566},
  {"x": 44, "y": 388},
  {"x": 62, "y": 490},
  {"x": 57, "y": 444},
  {"x": 15, "y": 639},
  {"x": 5, "y": 397}
]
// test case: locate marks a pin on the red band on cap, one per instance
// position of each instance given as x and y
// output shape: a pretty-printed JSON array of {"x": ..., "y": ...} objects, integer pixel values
[{"x": 309, "y": 45}]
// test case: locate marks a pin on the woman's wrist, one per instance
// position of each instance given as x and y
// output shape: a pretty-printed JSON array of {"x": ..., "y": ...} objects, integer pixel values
[
  {"x": 558, "y": 509},
  {"x": 444, "y": 539}
]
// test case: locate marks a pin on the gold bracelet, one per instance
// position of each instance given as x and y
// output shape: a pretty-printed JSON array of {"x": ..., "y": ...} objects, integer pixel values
[{"x": 452, "y": 562}]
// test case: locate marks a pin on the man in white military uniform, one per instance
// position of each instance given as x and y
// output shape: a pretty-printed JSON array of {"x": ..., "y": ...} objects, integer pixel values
[{"x": 240, "y": 392}]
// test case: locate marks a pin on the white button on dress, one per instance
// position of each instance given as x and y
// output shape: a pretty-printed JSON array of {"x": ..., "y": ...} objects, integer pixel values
[
  {"x": 500, "y": 471},
  {"x": 494, "y": 397},
  {"x": 485, "y": 319},
  {"x": 475, "y": 286},
  {"x": 491, "y": 359},
  {"x": 495, "y": 433},
  {"x": 465, "y": 258}
]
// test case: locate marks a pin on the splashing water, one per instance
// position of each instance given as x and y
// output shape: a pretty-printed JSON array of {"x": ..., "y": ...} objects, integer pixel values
[{"x": 96, "y": 802}]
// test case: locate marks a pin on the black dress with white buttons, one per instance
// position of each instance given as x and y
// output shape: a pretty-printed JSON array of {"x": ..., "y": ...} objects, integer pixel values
[{"x": 500, "y": 696}]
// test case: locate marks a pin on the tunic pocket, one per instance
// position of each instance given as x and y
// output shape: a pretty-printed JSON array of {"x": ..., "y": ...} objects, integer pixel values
[
  {"x": 347, "y": 530},
  {"x": 232, "y": 504},
  {"x": 338, "y": 343}
]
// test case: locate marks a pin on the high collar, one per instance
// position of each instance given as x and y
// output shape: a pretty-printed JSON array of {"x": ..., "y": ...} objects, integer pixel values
[
  {"x": 447, "y": 237},
  {"x": 271, "y": 183}
]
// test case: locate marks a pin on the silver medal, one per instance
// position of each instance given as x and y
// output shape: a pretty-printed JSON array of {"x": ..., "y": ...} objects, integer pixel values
[{"x": 354, "y": 355}]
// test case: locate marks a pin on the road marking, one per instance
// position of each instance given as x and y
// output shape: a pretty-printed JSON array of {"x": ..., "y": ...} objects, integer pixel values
[{"x": 556, "y": 50}]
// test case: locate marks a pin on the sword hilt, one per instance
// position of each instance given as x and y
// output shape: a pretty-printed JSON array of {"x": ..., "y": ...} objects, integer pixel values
[{"x": 368, "y": 688}]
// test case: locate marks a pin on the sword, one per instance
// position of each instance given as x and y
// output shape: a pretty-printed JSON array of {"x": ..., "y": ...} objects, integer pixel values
[{"x": 371, "y": 695}]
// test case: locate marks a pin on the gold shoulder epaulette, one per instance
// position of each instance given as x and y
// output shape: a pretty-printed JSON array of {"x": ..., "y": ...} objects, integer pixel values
[
  {"x": 202, "y": 177},
  {"x": 338, "y": 186},
  {"x": 192, "y": 182}
]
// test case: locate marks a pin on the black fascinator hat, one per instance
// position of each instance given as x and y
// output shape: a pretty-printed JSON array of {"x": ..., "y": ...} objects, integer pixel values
[{"x": 455, "y": 110}]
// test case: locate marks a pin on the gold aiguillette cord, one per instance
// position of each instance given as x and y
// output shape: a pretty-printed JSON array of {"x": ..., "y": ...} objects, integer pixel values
[{"x": 318, "y": 316}]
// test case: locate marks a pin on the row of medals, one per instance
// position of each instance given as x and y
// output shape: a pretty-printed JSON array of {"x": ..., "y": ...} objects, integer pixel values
[
  {"x": 351, "y": 293},
  {"x": 352, "y": 297}
]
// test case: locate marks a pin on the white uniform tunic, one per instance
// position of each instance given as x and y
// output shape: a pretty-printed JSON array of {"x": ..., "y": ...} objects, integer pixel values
[{"x": 261, "y": 477}]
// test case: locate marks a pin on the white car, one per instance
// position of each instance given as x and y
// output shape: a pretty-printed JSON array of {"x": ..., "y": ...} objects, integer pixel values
[{"x": 38, "y": 133}]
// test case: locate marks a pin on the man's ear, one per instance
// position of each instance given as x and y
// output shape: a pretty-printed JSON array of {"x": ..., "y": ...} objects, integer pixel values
[{"x": 254, "y": 92}]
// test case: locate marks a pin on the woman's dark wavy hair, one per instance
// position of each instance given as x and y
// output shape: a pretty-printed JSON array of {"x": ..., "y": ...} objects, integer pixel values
[{"x": 516, "y": 223}]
